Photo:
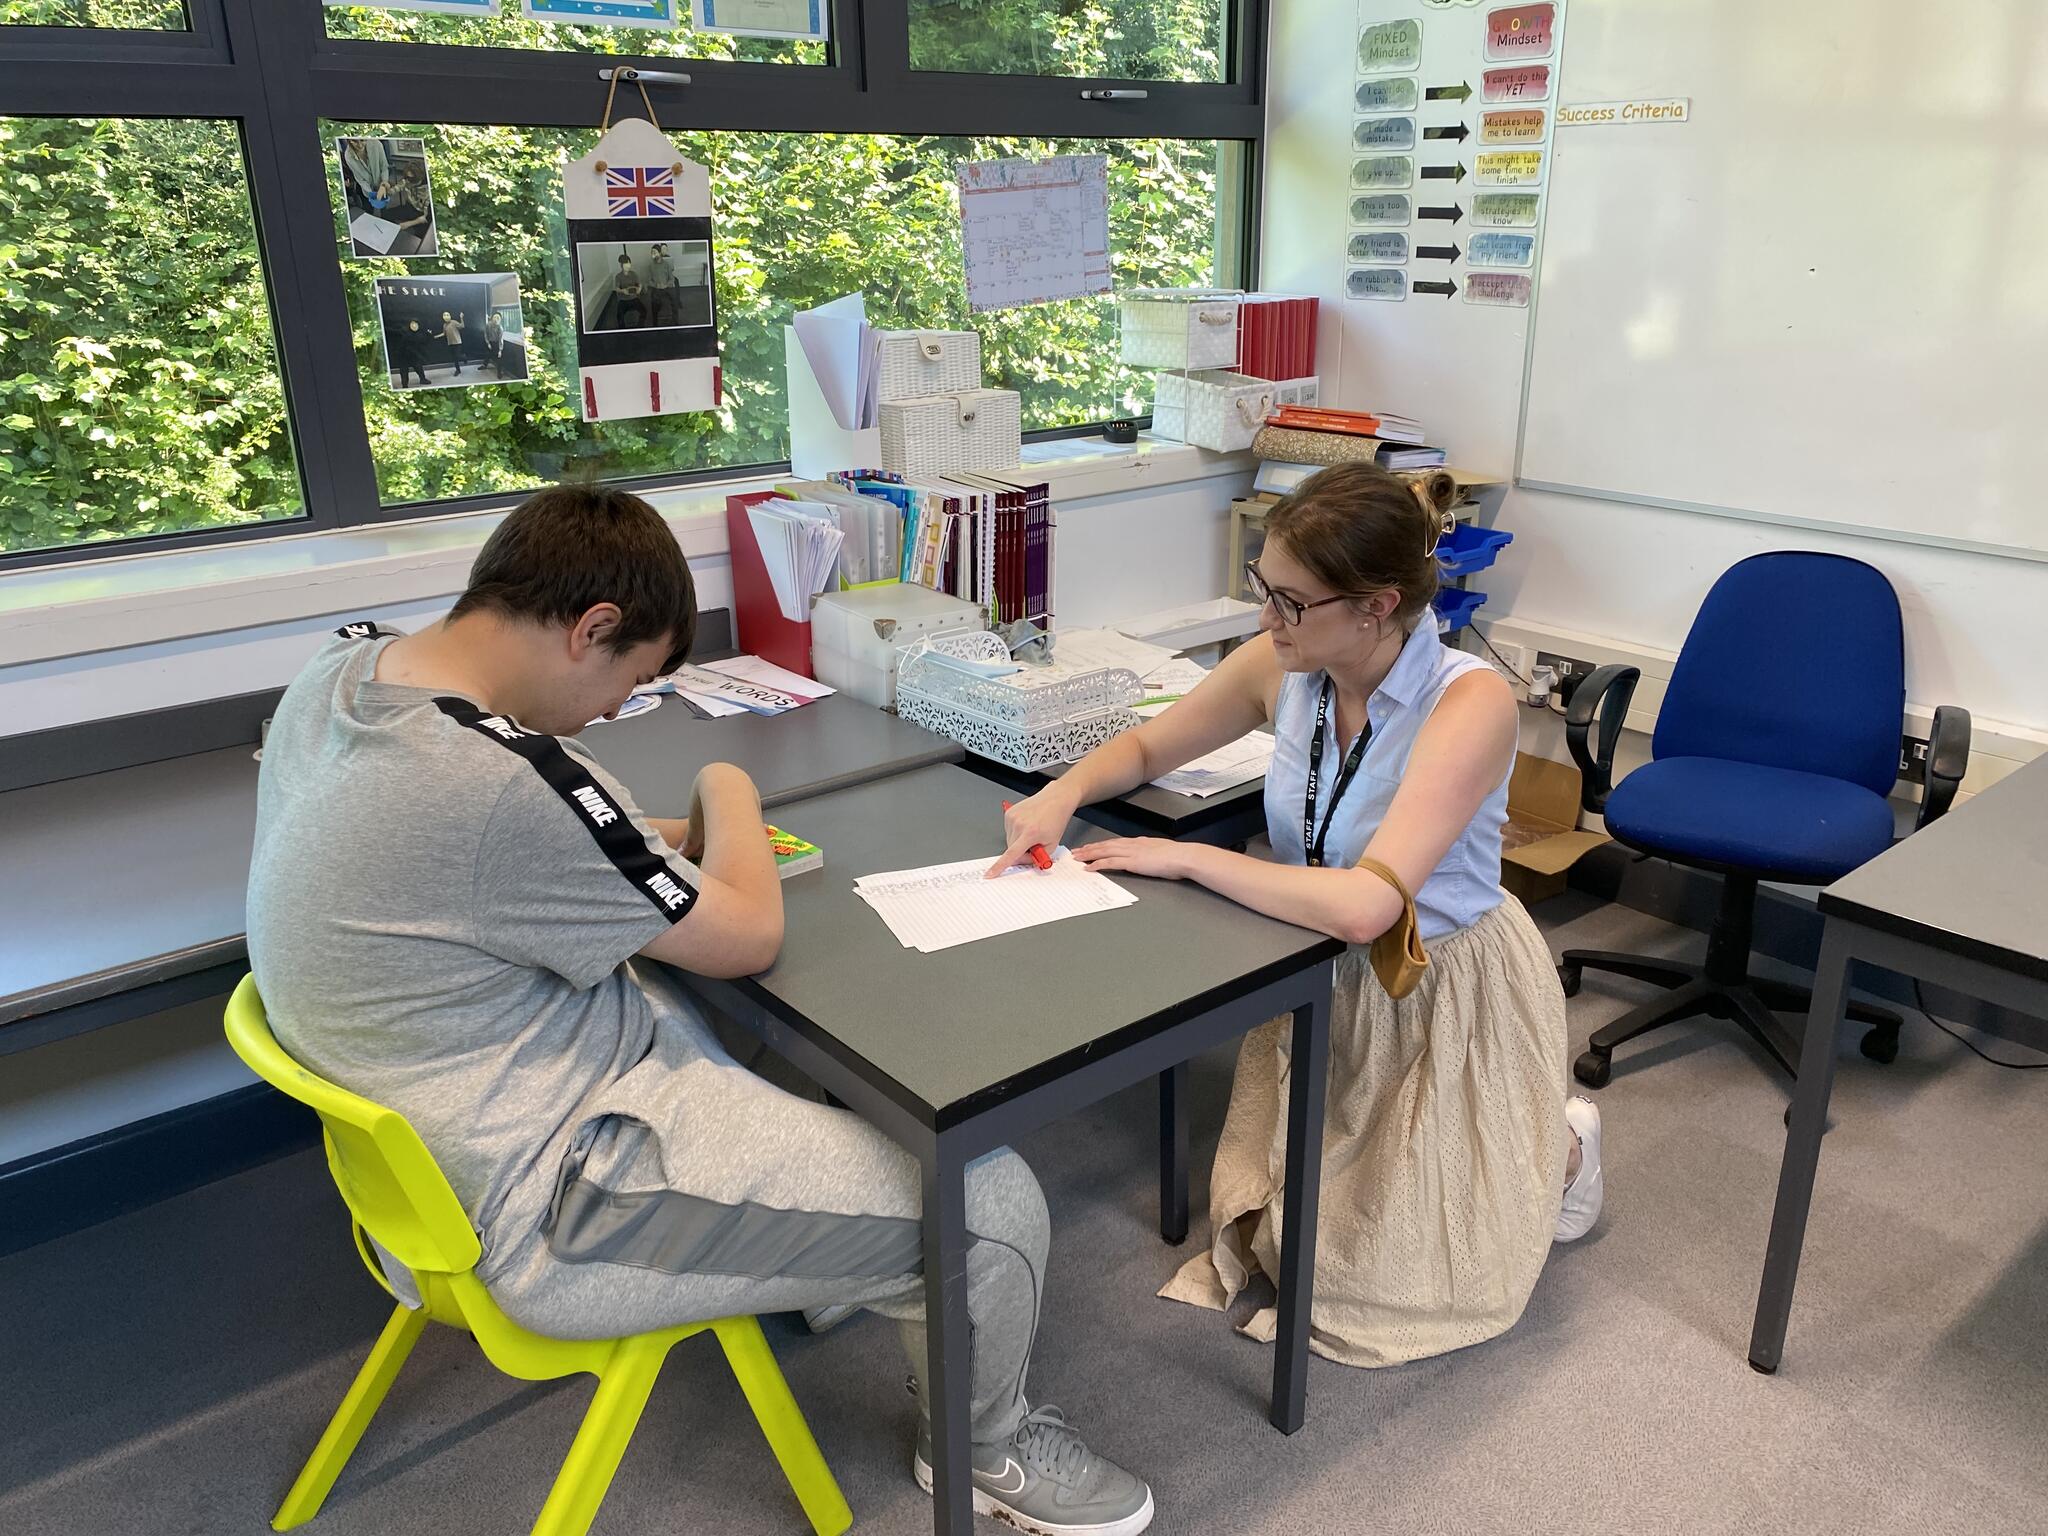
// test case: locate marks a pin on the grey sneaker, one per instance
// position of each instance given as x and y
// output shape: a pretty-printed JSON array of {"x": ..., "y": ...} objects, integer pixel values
[{"x": 1047, "y": 1482}]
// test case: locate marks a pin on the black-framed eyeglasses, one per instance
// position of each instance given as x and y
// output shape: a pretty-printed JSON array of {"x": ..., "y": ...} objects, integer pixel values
[{"x": 1290, "y": 609}]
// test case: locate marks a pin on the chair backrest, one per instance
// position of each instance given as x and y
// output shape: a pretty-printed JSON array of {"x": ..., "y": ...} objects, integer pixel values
[
  {"x": 1796, "y": 660},
  {"x": 384, "y": 1171}
]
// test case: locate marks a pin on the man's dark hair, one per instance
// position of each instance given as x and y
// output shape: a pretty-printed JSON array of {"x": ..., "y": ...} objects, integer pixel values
[{"x": 562, "y": 551}]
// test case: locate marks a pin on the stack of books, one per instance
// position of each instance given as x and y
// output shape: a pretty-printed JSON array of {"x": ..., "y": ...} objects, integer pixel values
[
  {"x": 1276, "y": 336},
  {"x": 1397, "y": 440}
]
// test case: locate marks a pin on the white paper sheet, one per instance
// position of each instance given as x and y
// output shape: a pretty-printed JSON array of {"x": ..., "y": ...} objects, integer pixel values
[
  {"x": 705, "y": 688},
  {"x": 1176, "y": 676},
  {"x": 799, "y": 545},
  {"x": 1090, "y": 648},
  {"x": 366, "y": 229},
  {"x": 1034, "y": 230},
  {"x": 1240, "y": 762},
  {"x": 843, "y": 353},
  {"x": 943, "y": 905},
  {"x": 753, "y": 669}
]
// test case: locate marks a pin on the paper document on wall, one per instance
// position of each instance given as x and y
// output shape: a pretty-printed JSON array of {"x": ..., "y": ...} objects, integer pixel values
[
  {"x": 1240, "y": 762},
  {"x": 1034, "y": 230},
  {"x": 799, "y": 545},
  {"x": 763, "y": 18},
  {"x": 943, "y": 905}
]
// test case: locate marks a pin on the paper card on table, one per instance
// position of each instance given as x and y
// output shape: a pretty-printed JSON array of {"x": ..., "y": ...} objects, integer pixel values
[
  {"x": 944, "y": 905},
  {"x": 1240, "y": 762},
  {"x": 753, "y": 669}
]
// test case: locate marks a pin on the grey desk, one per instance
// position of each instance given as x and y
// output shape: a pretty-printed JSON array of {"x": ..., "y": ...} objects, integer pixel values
[
  {"x": 1236, "y": 816},
  {"x": 1959, "y": 903},
  {"x": 833, "y": 744},
  {"x": 124, "y": 890},
  {"x": 960, "y": 1052}
]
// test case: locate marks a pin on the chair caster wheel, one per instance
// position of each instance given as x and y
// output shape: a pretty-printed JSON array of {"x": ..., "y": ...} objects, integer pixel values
[
  {"x": 1568, "y": 977},
  {"x": 1882, "y": 1044},
  {"x": 1788, "y": 1117},
  {"x": 1593, "y": 1069}
]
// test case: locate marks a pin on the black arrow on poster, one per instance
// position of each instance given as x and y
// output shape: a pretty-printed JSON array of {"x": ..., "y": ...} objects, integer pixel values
[
  {"x": 1452, "y": 213},
  {"x": 1447, "y": 289},
  {"x": 1444, "y": 172},
  {"x": 1460, "y": 133},
  {"x": 1459, "y": 92},
  {"x": 1438, "y": 252}
]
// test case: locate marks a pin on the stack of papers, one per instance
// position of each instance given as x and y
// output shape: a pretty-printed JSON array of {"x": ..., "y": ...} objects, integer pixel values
[
  {"x": 1171, "y": 682},
  {"x": 1243, "y": 760},
  {"x": 799, "y": 543},
  {"x": 943, "y": 905},
  {"x": 739, "y": 685},
  {"x": 844, "y": 352},
  {"x": 1088, "y": 649}
]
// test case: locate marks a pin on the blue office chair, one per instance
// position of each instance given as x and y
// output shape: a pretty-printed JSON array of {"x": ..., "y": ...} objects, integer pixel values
[{"x": 1776, "y": 745}]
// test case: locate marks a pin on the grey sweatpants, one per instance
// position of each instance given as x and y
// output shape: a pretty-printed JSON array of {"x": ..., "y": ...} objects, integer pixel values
[{"x": 696, "y": 1189}]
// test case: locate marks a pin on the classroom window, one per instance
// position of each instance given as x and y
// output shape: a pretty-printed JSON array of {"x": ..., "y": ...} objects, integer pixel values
[
  {"x": 134, "y": 15},
  {"x": 140, "y": 392},
  {"x": 510, "y": 29},
  {"x": 1102, "y": 39},
  {"x": 801, "y": 218}
]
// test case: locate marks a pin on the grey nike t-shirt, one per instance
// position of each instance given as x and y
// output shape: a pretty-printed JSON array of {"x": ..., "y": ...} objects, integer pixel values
[{"x": 440, "y": 905}]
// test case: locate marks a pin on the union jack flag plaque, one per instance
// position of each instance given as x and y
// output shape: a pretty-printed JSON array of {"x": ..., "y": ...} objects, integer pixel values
[{"x": 640, "y": 191}]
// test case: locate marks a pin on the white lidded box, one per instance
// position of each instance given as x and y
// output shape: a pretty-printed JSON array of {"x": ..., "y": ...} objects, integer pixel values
[
  {"x": 1030, "y": 719},
  {"x": 857, "y": 635},
  {"x": 1219, "y": 409},
  {"x": 914, "y": 364},
  {"x": 1180, "y": 327},
  {"x": 939, "y": 434}
]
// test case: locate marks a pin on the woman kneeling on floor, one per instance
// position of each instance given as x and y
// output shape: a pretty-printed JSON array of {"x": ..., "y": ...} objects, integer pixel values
[{"x": 1452, "y": 1159}]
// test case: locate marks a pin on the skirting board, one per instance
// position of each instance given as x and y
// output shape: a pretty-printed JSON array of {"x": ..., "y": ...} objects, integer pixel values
[{"x": 69, "y": 1188}]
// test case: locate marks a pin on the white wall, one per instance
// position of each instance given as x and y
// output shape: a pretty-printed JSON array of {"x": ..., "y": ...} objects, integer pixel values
[{"x": 1976, "y": 625}]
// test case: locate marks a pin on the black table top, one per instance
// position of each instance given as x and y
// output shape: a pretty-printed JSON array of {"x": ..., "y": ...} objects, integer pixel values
[
  {"x": 1975, "y": 882},
  {"x": 984, "y": 1020},
  {"x": 830, "y": 744},
  {"x": 115, "y": 880}
]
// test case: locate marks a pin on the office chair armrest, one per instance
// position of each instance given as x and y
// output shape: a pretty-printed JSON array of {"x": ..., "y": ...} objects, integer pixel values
[
  {"x": 1589, "y": 698},
  {"x": 1948, "y": 759}
]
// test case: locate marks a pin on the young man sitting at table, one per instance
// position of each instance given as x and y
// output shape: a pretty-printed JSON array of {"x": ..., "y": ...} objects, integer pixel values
[{"x": 455, "y": 912}]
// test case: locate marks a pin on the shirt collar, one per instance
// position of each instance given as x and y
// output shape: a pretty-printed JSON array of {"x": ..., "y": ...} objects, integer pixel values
[{"x": 1408, "y": 679}]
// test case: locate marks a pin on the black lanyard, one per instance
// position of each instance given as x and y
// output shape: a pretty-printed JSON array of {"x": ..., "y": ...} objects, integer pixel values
[{"x": 1312, "y": 841}]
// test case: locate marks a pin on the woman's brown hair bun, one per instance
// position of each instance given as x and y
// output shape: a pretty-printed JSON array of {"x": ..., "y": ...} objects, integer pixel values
[{"x": 1360, "y": 529}]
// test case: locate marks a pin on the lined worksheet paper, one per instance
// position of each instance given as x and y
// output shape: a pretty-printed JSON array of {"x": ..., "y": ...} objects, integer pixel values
[
  {"x": 947, "y": 904},
  {"x": 1240, "y": 762}
]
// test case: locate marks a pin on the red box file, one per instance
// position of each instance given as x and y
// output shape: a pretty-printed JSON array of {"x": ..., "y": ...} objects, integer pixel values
[{"x": 758, "y": 623}]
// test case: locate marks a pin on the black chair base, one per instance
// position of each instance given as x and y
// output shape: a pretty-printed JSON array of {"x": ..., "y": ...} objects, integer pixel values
[{"x": 1751, "y": 1002}]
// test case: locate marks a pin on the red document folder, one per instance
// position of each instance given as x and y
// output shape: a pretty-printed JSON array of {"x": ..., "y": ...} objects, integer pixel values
[{"x": 758, "y": 623}]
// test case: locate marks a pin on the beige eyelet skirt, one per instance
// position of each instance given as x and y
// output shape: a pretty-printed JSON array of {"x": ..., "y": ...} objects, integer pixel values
[{"x": 1443, "y": 1152}]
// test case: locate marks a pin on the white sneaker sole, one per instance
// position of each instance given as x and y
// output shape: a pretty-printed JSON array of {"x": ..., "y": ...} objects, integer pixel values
[
  {"x": 1580, "y": 1211},
  {"x": 988, "y": 1504}
]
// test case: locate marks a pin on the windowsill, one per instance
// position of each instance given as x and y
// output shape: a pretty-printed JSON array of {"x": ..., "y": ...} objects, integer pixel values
[{"x": 113, "y": 602}]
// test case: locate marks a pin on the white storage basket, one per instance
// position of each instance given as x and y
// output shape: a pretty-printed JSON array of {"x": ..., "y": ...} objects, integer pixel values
[
  {"x": 1029, "y": 719},
  {"x": 1180, "y": 328},
  {"x": 1219, "y": 409},
  {"x": 914, "y": 364},
  {"x": 939, "y": 434}
]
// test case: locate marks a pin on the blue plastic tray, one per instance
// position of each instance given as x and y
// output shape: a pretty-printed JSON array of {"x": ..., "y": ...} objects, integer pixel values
[
  {"x": 1456, "y": 606},
  {"x": 1466, "y": 549}
]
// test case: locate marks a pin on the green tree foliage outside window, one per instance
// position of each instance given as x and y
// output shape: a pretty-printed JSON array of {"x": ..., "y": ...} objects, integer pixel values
[
  {"x": 139, "y": 383},
  {"x": 136, "y": 15}
]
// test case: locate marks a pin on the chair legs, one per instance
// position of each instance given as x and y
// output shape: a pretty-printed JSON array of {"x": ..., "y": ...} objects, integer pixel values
[
  {"x": 782, "y": 1422},
  {"x": 345, "y": 1430},
  {"x": 593, "y": 1459}
]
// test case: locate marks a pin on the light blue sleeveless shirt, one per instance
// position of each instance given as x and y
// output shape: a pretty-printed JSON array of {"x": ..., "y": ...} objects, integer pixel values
[{"x": 1466, "y": 885}]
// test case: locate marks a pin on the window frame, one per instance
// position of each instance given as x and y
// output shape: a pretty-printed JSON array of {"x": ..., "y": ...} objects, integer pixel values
[{"x": 270, "y": 67}]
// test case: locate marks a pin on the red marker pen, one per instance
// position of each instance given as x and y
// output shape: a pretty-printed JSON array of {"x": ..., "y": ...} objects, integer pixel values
[{"x": 1037, "y": 850}]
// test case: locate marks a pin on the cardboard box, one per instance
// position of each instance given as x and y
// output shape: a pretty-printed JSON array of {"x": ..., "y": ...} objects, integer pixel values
[{"x": 1542, "y": 841}]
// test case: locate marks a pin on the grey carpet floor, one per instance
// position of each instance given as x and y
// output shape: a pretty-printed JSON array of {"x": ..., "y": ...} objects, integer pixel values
[{"x": 166, "y": 1372}]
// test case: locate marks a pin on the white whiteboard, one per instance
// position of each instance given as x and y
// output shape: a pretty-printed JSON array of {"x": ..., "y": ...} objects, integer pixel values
[{"x": 1823, "y": 300}]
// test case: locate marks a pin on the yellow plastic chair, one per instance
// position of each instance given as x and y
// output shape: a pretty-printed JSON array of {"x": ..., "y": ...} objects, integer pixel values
[{"x": 397, "y": 1194}]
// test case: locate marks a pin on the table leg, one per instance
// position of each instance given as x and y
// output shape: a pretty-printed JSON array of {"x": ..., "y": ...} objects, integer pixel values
[
  {"x": 949, "y": 1385},
  {"x": 1173, "y": 1154},
  {"x": 1308, "y": 1077},
  {"x": 1802, "y": 1148}
]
